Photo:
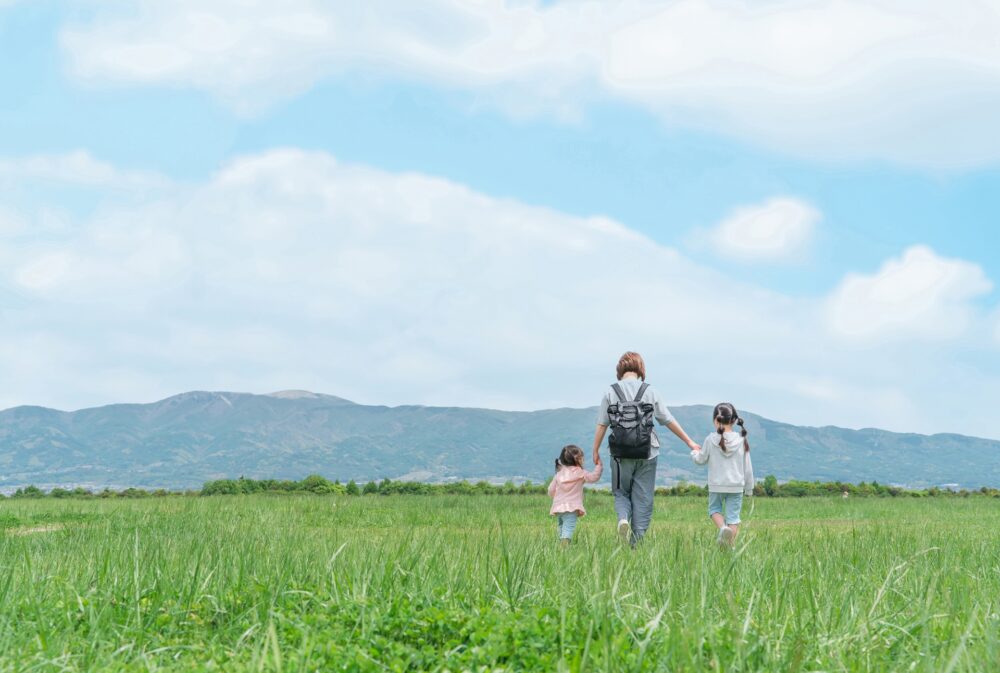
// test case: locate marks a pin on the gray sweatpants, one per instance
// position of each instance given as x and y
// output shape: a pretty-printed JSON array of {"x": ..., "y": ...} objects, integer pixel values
[{"x": 634, "y": 493}]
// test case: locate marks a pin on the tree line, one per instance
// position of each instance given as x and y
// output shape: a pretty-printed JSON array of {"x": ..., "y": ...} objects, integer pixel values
[{"x": 319, "y": 485}]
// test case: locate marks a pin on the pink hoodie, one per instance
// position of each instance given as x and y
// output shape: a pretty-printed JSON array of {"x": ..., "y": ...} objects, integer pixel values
[{"x": 566, "y": 488}]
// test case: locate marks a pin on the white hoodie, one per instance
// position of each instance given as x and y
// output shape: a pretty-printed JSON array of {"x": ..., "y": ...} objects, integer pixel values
[{"x": 729, "y": 466}]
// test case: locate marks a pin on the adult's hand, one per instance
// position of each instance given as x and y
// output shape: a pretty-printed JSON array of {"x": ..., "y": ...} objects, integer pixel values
[{"x": 676, "y": 428}]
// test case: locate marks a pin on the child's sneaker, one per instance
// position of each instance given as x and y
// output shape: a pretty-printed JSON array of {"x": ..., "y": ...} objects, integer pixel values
[
  {"x": 726, "y": 537},
  {"x": 625, "y": 531}
]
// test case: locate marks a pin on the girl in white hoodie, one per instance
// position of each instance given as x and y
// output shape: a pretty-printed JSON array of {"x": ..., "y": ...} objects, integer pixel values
[{"x": 730, "y": 472}]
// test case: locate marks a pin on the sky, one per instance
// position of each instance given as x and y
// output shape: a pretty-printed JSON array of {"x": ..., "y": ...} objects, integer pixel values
[{"x": 793, "y": 206}]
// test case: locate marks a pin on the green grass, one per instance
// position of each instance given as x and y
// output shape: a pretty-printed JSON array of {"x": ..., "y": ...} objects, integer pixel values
[{"x": 477, "y": 583}]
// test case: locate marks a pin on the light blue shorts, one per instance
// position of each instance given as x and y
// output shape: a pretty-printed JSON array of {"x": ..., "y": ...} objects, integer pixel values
[
  {"x": 567, "y": 524},
  {"x": 728, "y": 503}
]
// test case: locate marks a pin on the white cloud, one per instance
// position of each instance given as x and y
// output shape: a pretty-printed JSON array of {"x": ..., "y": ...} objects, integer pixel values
[
  {"x": 288, "y": 269},
  {"x": 885, "y": 403},
  {"x": 919, "y": 295},
  {"x": 402, "y": 287},
  {"x": 780, "y": 228},
  {"x": 11, "y": 222},
  {"x": 77, "y": 167},
  {"x": 45, "y": 271},
  {"x": 913, "y": 82}
]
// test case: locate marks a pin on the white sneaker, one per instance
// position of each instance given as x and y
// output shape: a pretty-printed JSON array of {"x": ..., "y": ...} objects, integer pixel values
[
  {"x": 625, "y": 530},
  {"x": 726, "y": 537}
]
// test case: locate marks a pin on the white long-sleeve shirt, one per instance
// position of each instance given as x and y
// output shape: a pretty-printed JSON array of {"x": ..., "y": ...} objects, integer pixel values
[{"x": 729, "y": 466}]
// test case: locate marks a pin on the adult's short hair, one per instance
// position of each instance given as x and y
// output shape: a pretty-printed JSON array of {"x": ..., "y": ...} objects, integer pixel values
[{"x": 631, "y": 362}]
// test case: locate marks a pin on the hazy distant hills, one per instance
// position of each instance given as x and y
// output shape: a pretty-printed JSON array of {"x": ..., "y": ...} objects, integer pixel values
[{"x": 187, "y": 439}]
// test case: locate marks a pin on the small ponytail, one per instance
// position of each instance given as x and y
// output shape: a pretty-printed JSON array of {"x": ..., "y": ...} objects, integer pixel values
[{"x": 743, "y": 432}]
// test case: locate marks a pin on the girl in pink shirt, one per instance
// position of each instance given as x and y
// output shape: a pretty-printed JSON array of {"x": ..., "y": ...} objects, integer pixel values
[{"x": 566, "y": 489}]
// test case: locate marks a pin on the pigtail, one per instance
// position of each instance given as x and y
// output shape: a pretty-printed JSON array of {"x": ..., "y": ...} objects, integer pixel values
[
  {"x": 557, "y": 464},
  {"x": 743, "y": 432}
]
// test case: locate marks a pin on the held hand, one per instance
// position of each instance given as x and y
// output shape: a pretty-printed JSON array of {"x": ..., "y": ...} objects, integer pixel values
[
  {"x": 693, "y": 446},
  {"x": 597, "y": 459}
]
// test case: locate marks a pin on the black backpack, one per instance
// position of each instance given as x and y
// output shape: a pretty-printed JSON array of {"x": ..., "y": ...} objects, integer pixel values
[{"x": 631, "y": 425}]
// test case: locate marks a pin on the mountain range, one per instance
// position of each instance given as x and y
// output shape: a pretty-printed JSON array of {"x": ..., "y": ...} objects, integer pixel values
[{"x": 187, "y": 439}]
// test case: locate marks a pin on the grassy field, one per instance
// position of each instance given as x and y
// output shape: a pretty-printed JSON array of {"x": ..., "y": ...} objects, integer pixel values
[{"x": 477, "y": 583}]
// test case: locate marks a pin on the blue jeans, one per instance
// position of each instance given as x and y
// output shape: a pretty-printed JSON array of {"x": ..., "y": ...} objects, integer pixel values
[
  {"x": 567, "y": 524},
  {"x": 727, "y": 504}
]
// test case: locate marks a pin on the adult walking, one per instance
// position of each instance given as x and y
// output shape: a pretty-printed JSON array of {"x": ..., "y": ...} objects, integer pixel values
[{"x": 629, "y": 407}]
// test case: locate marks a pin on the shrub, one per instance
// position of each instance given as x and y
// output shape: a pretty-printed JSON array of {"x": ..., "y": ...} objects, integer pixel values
[{"x": 314, "y": 483}]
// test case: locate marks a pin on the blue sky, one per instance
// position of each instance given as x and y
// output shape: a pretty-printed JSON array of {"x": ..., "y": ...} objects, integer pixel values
[{"x": 815, "y": 223}]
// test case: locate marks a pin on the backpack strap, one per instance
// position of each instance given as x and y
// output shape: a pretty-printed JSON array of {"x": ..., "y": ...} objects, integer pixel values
[
  {"x": 642, "y": 391},
  {"x": 618, "y": 391}
]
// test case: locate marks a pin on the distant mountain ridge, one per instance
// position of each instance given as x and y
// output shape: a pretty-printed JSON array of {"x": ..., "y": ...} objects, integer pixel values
[{"x": 185, "y": 440}]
